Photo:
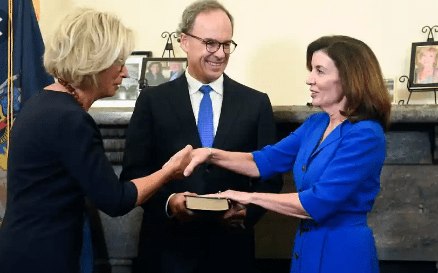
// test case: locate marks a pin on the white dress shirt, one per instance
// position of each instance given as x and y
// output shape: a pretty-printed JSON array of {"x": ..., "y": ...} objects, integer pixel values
[{"x": 216, "y": 96}]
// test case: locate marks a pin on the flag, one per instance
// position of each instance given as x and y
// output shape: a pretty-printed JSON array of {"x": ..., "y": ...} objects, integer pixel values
[{"x": 27, "y": 76}]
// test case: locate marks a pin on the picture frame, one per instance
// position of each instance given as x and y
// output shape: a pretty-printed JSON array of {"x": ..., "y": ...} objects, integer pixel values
[
  {"x": 390, "y": 83},
  {"x": 147, "y": 54},
  {"x": 156, "y": 71},
  {"x": 129, "y": 90},
  {"x": 423, "y": 73},
  {"x": 139, "y": 79}
]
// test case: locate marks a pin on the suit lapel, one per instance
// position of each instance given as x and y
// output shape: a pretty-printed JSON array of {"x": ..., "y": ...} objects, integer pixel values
[
  {"x": 229, "y": 112},
  {"x": 313, "y": 138},
  {"x": 179, "y": 98},
  {"x": 332, "y": 137}
]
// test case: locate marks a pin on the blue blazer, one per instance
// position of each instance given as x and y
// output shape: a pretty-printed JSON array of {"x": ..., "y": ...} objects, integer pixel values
[{"x": 337, "y": 183}]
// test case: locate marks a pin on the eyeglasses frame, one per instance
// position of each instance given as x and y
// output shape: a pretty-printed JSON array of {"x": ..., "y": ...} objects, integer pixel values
[{"x": 207, "y": 42}]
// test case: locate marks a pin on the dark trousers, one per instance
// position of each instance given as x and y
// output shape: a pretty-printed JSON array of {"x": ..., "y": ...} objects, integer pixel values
[{"x": 221, "y": 251}]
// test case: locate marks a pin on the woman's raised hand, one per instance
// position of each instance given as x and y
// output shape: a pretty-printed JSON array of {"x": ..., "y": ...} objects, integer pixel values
[
  {"x": 198, "y": 156},
  {"x": 178, "y": 162}
]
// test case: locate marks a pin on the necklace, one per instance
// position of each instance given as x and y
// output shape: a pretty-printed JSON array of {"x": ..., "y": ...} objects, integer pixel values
[
  {"x": 337, "y": 125},
  {"x": 71, "y": 91},
  {"x": 327, "y": 133}
]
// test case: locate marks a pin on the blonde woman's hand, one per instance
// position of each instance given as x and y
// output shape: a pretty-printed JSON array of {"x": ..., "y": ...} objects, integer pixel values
[
  {"x": 178, "y": 162},
  {"x": 198, "y": 156}
]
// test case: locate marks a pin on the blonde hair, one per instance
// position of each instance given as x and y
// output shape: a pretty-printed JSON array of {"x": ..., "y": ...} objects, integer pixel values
[
  {"x": 424, "y": 50},
  {"x": 85, "y": 43}
]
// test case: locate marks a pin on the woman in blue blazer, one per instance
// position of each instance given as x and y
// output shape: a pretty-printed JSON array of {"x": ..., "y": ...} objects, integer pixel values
[{"x": 336, "y": 156}]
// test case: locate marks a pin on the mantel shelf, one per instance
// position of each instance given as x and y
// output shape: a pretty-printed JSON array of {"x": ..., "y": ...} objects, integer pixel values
[{"x": 296, "y": 114}]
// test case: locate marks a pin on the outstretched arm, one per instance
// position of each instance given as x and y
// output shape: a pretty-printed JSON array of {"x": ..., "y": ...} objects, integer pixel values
[
  {"x": 148, "y": 185},
  {"x": 241, "y": 163},
  {"x": 288, "y": 204}
]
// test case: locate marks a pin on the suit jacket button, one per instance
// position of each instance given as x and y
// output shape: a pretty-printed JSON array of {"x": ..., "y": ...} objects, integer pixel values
[
  {"x": 296, "y": 256},
  {"x": 300, "y": 190},
  {"x": 304, "y": 168}
]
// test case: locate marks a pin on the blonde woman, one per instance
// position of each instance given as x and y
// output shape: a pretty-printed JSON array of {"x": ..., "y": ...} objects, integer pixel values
[
  {"x": 427, "y": 71},
  {"x": 56, "y": 155}
]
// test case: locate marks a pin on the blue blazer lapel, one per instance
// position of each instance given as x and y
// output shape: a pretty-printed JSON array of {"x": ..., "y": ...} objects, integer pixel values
[
  {"x": 335, "y": 135},
  {"x": 314, "y": 137}
]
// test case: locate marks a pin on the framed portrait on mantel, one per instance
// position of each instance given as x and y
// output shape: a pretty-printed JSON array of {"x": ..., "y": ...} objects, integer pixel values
[
  {"x": 390, "y": 85},
  {"x": 156, "y": 71},
  {"x": 144, "y": 73},
  {"x": 423, "y": 72},
  {"x": 129, "y": 89}
]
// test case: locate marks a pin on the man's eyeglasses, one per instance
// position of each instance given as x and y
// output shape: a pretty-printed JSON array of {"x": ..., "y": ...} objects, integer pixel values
[{"x": 212, "y": 46}]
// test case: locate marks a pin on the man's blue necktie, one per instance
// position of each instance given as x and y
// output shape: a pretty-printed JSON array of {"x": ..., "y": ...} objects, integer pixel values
[{"x": 205, "y": 118}]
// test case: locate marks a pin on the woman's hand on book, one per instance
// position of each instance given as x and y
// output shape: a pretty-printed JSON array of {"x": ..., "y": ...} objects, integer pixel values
[{"x": 240, "y": 197}]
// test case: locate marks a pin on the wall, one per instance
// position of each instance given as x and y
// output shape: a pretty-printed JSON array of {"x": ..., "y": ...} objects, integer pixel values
[{"x": 273, "y": 35}]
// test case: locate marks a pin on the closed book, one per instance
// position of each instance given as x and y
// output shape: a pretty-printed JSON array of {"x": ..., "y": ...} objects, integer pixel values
[{"x": 207, "y": 203}]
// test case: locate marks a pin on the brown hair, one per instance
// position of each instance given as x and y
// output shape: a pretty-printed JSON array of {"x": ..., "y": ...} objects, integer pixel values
[
  {"x": 361, "y": 78},
  {"x": 191, "y": 12}
]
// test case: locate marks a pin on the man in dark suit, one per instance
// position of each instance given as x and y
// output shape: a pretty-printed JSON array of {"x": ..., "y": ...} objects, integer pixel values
[{"x": 170, "y": 116}]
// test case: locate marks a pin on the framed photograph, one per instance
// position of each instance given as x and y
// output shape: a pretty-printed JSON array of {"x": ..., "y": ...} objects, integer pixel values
[
  {"x": 147, "y": 54},
  {"x": 390, "y": 85},
  {"x": 156, "y": 71},
  {"x": 129, "y": 89},
  {"x": 144, "y": 73},
  {"x": 423, "y": 72}
]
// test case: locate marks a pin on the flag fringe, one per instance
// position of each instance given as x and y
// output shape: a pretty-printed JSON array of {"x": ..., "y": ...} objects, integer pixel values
[{"x": 10, "y": 109}]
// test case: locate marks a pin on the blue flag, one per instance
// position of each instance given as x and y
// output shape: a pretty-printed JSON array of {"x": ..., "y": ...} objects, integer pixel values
[{"x": 28, "y": 72}]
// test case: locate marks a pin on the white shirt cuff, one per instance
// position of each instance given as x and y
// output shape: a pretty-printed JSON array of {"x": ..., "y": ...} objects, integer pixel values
[{"x": 167, "y": 204}]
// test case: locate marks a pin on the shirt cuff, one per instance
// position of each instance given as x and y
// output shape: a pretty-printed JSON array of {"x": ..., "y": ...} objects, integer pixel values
[{"x": 167, "y": 204}]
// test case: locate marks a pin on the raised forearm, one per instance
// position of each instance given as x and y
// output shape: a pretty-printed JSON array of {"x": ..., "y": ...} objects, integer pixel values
[
  {"x": 149, "y": 185},
  {"x": 173, "y": 169},
  {"x": 241, "y": 163}
]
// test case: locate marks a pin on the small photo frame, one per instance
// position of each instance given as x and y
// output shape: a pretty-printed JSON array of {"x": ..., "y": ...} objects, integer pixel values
[
  {"x": 423, "y": 72},
  {"x": 147, "y": 54},
  {"x": 390, "y": 85},
  {"x": 129, "y": 89},
  {"x": 156, "y": 71}
]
